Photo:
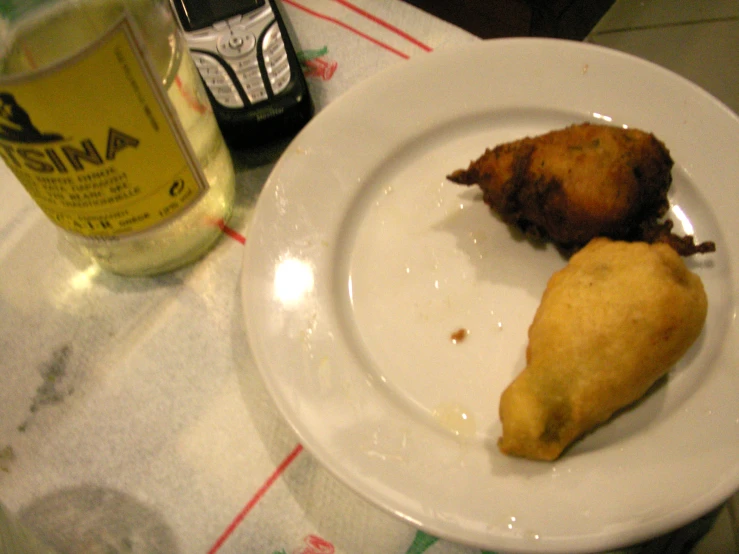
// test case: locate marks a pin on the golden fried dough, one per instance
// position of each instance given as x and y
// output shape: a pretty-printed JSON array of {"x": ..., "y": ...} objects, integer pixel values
[
  {"x": 610, "y": 324},
  {"x": 581, "y": 182}
]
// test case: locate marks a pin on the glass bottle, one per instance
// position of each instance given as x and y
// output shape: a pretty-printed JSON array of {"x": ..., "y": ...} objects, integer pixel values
[{"x": 104, "y": 120}]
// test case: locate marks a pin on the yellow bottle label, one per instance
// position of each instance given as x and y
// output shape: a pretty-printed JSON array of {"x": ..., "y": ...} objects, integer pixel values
[{"x": 96, "y": 142}]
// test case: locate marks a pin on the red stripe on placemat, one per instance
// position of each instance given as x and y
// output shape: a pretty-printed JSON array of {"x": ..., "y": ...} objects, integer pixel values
[
  {"x": 230, "y": 232},
  {"x": 383, "y": 23},
  {"x": 256, "y": 498},
  {"x": 347, "y": 27},
  {"x": 240, "y": 238}
]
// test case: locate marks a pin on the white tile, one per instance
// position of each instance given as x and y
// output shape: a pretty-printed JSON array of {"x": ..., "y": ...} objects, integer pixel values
[
  {"x": 705, "y": 53},
  {"x": 630, "y": 14}
]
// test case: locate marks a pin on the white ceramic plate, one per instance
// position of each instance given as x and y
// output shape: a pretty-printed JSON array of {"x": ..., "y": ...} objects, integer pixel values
[{"x": 363, "y": 261}]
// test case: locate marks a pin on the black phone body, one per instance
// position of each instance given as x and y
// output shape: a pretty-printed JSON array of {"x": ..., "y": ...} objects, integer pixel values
[{"x": 249, "y": 67}]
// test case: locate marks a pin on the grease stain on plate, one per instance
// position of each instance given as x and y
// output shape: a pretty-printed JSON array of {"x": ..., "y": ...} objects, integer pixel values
[{"x": 456, "y": 419}]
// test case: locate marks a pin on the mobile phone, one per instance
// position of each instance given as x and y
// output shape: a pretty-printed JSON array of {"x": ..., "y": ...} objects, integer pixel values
[{"x": 249, "y": 67}]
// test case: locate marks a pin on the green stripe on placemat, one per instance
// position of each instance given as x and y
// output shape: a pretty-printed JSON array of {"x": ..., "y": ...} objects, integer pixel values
[
  {"x": 421, "y": 543},
  {"x": 680, "y": 541}
]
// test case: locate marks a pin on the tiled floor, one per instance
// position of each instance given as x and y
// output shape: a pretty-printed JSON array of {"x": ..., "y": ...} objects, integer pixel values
[
  {"x": 571, "y": 19},
  {"x": 637, "y": 26},
  {"x": 707, "y": 33},
  {"x": 724, "y": 536}
]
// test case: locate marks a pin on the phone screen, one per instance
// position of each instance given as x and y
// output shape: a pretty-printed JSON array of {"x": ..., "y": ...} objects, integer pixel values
[{"x": 197, "y": 14}]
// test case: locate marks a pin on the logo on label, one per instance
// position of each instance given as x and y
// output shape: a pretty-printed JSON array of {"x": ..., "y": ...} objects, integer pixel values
[
  {"x": 26, "y": 150},
  {"x": 16, "y": 125}
]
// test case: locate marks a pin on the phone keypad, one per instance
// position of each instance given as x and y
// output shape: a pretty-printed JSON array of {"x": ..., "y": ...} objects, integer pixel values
[
  {"x": 250, "y": 78},
  {"x": 217, "y": 80},
  {"x": 234, "y": 40},
  {"x": 275, "y": 59}
]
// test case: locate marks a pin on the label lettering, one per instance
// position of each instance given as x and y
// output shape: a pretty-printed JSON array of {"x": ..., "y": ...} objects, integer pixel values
[
  {"x": 34, "y": 160},
  {"x": 56, "y": 160},
  {"x": 88, "y": 154},
  {"x": 117, "y": 141},
  {"x": 49, "y": 160}
]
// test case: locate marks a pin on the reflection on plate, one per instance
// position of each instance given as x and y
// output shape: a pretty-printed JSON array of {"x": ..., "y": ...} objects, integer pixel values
[{"x": 387, "y": 308}]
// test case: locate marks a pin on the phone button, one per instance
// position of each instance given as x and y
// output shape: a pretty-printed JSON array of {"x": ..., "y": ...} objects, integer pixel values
[
  {"x": 275, "y": 59},
  {"x": 279, "y": 82},
  {"x": 278, "y": 62},
  {"x": 246, "y": 65},
  {"x": 272, "y": 44},
  {"x": 257, "y": 95},
  {"x": 249, "y": 75},
  {"x": 226, "y": 95},
  {"x": 204, "y": 61},
  {"x": 236, "y": 45},
  {"x": 217, "y": 81},
  {"x": 231, "y": 101}
]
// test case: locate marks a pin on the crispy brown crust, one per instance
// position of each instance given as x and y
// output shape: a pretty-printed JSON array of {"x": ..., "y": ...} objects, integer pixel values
[{"x": 581, "y": 182}]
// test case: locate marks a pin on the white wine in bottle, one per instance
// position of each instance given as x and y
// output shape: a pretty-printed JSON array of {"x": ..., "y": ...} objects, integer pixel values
[{"x": 105, "y": 122}]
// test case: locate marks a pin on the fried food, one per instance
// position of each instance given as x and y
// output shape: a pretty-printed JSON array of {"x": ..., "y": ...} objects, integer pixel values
[
  {"x": 609, "y": 325},
  {"x": 581, "y": 182}
]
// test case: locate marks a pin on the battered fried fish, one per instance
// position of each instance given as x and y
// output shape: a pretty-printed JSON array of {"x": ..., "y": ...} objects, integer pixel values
[
  {"x": 581, "y": 182},
  {"x": 610, "y": 324}
]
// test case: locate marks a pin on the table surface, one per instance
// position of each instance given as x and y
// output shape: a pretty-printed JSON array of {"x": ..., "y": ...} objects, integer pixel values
[{"x": 127, "y": 418}]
